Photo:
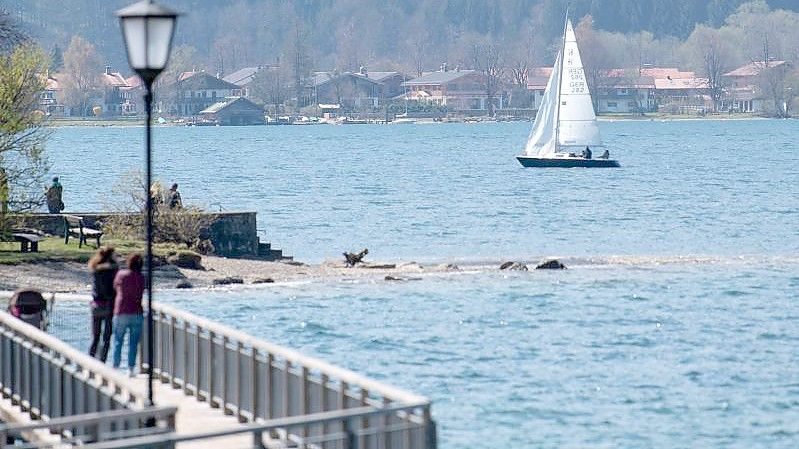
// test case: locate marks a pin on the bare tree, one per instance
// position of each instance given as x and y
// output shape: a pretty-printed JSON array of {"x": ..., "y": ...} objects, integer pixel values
[
  {"x": 82, "y": 66},
  {"x": 270, "y": 86},
  {"x": 595, "y": 54},
  {"x": 709, "y": 52},
  {"x": 298, "y": 56},
  {"x": 487, "y": 59}
]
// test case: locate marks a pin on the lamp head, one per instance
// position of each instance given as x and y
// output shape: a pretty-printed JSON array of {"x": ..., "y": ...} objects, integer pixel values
[{"x": 148, "y": 29}]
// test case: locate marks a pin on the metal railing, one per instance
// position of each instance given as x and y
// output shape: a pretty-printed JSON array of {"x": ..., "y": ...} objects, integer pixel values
[
  {"x": 258, "y": 381},
  {"x": 45, "y": 378},
  {"x": 349, "y": 437},
  {"x": 80, "y": 430},
  {"x": 48, "y": 378}
]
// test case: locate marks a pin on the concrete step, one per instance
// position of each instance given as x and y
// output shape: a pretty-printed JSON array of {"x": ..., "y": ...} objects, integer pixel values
[{"x": 265, "y": 252}]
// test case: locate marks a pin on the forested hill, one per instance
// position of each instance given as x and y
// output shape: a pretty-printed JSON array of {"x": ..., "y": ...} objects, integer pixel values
[{"x": 228, "y": 34}]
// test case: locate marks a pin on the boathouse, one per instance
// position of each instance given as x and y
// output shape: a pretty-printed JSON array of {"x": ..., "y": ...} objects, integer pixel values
[{"x": 234, "y": 111}]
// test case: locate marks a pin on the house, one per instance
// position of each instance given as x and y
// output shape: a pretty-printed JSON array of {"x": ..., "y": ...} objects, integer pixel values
[
  {"x": 458, "y": 90},
  {"x": 537, "y": 81},
  {"x": 245, "y": 76},
  {"x": 116, "y": 97},
  {"x": 391, "y": 82},
  {"x": 350, "y": 90},
  {"x": 625, "y": 94},
  {"x": 196, "y": 91},
  {"x": 49, "y": 98},
  {"x": 683, "y": 95},
  {"x": 744, "y": 92},
  {"x": 234, "y": 111}
]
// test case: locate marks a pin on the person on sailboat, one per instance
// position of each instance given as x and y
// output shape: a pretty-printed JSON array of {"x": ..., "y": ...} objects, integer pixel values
[
  {"x": 587, "y": 153},
  {"x": 604, "y": 155}
]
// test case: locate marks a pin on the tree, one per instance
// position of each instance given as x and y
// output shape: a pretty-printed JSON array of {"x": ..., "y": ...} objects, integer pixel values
[
  {"x": 595, "y": 55},
  {"x": 10, "y": 34},
  {"x": 269, "y": 86},
  {"x": 22, "y": 134},
  {"x": 709, "y": 53},
  {"x": 82, "y": 67},
  {"x": 183, "y": 59},
  {"x": 57, "y": 60},
  {"x": 487, "y": 59},
  {"x": 298, "y": 57}
]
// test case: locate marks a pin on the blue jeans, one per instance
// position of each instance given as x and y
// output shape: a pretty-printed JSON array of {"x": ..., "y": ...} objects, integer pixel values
[{"x": 123, "y": 324}]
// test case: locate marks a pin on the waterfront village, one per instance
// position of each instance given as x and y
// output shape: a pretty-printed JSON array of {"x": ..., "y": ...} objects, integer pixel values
[{"x": 447, "y": 94}]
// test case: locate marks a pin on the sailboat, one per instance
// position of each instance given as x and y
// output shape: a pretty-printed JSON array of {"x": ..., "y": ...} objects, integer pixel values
[{"x": 565, "y": 128}]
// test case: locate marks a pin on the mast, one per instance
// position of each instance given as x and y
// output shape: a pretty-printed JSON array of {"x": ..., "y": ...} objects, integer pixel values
[{"x": 560, "y": 81}]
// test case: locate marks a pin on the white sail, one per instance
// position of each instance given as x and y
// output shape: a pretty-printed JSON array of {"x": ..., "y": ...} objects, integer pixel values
[
  {"x": 566, "y": 117},
  {"x": 577, "y": 120},
  {"x": 542, "y": 137}
]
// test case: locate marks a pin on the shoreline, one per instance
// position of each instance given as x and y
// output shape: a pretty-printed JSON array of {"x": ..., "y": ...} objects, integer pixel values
[
  {"x": 227, "y": 273},
  {"x": 125, "y": 123}
]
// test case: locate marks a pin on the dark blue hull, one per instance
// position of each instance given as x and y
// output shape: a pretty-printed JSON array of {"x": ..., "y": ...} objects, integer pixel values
[{"x": 566, "y": 162}]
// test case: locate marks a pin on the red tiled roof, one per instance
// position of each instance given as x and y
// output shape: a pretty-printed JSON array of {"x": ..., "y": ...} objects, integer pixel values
[
  {"x": 754, "y": 68},
  {"x": 114, "y": 79},
  {"x": 681, "y": 84}
]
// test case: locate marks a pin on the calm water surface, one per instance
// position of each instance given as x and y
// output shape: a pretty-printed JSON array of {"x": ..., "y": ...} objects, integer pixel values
[
  {"x": 435, "y": 192},
  {"x": 686, "y": 338}
]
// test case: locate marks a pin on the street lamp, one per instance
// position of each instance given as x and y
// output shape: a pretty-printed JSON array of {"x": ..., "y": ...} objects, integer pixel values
[{"x": 148, "y": 30}]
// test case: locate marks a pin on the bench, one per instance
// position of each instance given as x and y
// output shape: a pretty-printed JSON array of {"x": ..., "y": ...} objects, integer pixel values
[
  {"x": 28, "y": 241},
  {"x": 75, "y": 226}
]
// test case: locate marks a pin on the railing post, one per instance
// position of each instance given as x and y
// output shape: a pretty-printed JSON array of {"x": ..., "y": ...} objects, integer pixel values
[
  {"x": 323, "y": 400},
  {"x": 185, "y": 360},
  {"x": 364, "y": 422},
  {"x": 224, "y": 375},
  {"x": 197, "y": 366},
  {"x": 268, "y": 389},
  {"x": 385, "y": 422},
  {"x": 286, "y": 386},
  {"x": 351, "y": 436},
  {"x": 210, "y": 369},
  {"x": 431, "y": 440},
  {"x": 238, "y": 380},
  {"x": 258, "y": 440},
  {"x": 173, "y": 353},
  {"x": 255, "y": 391},
  {"x": 304, "y": 400}
]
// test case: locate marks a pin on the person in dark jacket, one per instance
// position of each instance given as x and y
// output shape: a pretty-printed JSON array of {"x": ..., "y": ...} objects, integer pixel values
[
  {"x": 587, "y": 153},
  {"x": 104, "y": 268},
  {"x": 173, "y": 198}
]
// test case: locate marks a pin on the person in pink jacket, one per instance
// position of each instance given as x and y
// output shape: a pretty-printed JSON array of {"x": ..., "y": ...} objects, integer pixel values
[{"x": 128, "y": 311}]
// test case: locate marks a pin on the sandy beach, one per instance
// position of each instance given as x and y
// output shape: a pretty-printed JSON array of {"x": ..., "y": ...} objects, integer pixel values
[{"x": 74, "y": 277}]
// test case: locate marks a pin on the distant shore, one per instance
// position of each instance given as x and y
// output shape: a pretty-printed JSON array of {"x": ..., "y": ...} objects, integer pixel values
[{"x": 91, "y": 122}]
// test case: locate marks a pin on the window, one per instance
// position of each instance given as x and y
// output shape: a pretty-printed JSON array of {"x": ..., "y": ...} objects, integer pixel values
[
  {"x": 632, "y": 104},
  {"x": 612, "y": 104}
]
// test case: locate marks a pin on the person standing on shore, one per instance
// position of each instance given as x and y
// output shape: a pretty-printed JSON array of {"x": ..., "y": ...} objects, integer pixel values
[
  {"x": 128, "y": 310},
  {"x": 104, "y": 268},
  {"x": 173, "y": 198},
  {"x": 4, "y": 193},
  {"x": 54, "y": 196}
]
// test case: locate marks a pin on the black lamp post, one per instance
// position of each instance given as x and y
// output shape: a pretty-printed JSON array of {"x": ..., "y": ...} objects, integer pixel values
[{"x": 148, "y": 29}]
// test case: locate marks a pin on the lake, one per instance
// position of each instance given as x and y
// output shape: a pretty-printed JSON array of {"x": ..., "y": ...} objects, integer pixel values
[{"x": 675, "y": 325}]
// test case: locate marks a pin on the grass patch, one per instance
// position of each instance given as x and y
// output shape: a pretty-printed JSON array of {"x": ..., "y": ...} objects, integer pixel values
[{"x": 54, "y": 249}]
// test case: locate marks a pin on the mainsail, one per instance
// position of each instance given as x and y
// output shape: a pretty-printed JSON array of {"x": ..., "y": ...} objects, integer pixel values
[{"x": 566, "y": 117}]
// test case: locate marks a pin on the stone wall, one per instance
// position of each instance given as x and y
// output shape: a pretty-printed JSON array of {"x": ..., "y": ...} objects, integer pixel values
[{"x": 234, "y": 234}]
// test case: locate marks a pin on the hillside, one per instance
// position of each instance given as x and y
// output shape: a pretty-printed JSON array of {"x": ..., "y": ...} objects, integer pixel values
[{"x": 228, "y": 34}]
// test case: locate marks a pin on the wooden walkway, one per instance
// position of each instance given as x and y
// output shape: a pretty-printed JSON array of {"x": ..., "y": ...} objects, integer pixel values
[{"x": 195, "y": 416}]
